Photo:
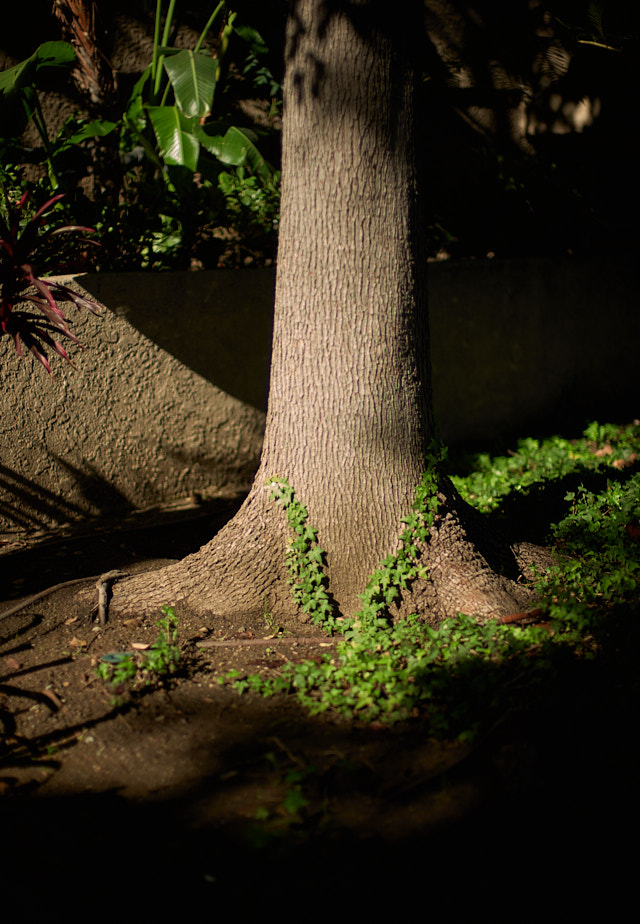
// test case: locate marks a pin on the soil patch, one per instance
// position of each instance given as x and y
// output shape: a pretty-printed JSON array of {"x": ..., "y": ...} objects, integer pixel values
[{"x": 186, "y": 792}]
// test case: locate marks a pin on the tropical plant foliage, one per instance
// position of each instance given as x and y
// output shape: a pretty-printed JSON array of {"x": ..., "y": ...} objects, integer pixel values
[
  {"x": 27, "y": 246},
  {"x": 167, "y": 171}
]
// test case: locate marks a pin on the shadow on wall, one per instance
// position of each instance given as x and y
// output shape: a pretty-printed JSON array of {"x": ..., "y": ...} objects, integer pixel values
[
  {"x": 218, "y": 324},
  {"x": 517, "y": 346},
  {"x": 210, "y": 469},
  {"x": 532, "y": 347},
  {"x": 29, "y": 505},
  {"x": 132, "y": 426},
  {"x": 84, "y": 548},
  {"x": 168, "y": 400}
]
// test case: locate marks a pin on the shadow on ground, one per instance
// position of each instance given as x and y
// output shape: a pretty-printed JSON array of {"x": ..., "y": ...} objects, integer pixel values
[
  {"x": 190, "y": 800},
  {"x": 30, "y": 564},
  {"x": 537, "y": 815}
]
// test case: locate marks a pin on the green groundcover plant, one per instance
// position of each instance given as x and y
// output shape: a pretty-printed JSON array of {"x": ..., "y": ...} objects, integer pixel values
[
  {"x": 460, "y": 675},
  {"x": 128, "y": 669}
]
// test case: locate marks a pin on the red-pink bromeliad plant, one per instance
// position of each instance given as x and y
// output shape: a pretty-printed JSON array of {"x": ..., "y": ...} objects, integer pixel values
[{"x": 22, "y": 244}]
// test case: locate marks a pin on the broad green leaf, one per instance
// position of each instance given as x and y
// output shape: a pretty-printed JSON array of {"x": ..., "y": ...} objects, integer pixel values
[
  {"x": 176, "y": 143},
  {"x": 253, "y": 37},
  {"x": 54, "y": 54},
  {"x": 49, "y": 54},
  {"x": 236, "y": 148},
  {"x": 134, "y": 110},
  {"x": 193, "y": 78},
  {"x": 96, "y": 129},
  {"x": 211, "y": 140}
]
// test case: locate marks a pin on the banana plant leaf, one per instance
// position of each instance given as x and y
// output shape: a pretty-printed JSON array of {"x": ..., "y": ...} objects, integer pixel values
[
  {"x": 237, "y": 148},
  {"x": 135, "y": 107},
  {"x": 174, "y": 131},
  {"x": 253, "y": 38},
  {"x": 17, "y": 84},
  {"x": 49, "y": 54},
  {"x": 193, "y": 78},
  {"x": 96, "y": 129}
]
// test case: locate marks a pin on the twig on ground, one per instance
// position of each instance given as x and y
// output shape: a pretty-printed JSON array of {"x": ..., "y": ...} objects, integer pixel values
[{"x": 103, "y": 583}]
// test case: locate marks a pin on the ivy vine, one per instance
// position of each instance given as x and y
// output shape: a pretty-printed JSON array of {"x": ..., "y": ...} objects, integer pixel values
[{"x": 388, "y": 672}]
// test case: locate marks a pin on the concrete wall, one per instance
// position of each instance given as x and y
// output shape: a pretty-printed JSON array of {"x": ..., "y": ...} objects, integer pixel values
[
  {"x": 537, "y": 345},
  {"x": 134, "y": 425},
  {"x": 169, "y": 396}
]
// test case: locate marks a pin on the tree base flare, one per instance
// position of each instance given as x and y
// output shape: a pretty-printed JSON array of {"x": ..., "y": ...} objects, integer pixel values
[{"x": 242, "y": 572}]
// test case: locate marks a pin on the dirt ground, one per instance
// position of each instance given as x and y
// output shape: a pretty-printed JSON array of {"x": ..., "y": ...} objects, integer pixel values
[{"x": 187, "y": 792}]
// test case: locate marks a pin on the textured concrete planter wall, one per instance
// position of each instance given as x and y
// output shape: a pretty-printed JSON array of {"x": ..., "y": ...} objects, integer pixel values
[{"x": 169, "y": 397}]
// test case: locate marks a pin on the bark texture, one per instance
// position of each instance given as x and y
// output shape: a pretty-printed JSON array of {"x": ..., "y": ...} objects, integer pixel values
[
  {"x": 349, "y": 417},
  {"x": 93, "y": 74}
]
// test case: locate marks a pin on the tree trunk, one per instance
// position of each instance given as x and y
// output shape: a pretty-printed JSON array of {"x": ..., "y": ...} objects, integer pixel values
[
  {"x": 349, "y": 418},
  {"x": 93, "y": 74}
]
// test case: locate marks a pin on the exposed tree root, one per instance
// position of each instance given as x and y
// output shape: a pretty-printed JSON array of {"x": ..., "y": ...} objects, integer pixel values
[
  {"x": 471, "y": 570},
  {"x": 242, "y": 571}
]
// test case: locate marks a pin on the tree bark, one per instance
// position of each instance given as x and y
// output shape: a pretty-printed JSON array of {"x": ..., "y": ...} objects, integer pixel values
[
  {"x": 93, "y": 74},
  {"x": 349, "y": 418}
]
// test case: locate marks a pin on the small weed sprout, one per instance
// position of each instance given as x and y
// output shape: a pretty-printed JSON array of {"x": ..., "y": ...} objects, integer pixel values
[
  {"x": 133, "y": 668},
  {"x": 163, "y": 656},
  {"x": 270, "y": 621}
]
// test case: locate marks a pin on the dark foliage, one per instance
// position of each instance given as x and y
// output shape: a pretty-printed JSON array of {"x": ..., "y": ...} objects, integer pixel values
[{"x": 25, "y": 252}]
